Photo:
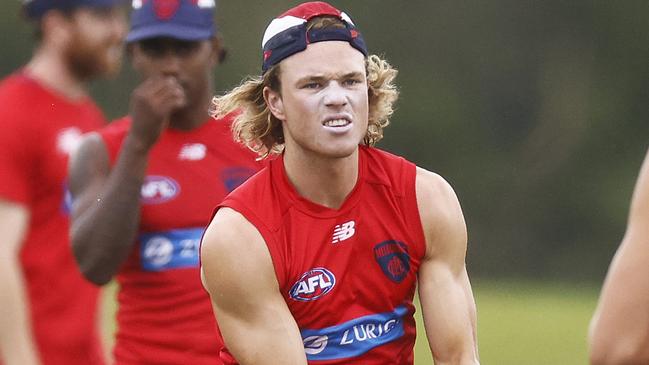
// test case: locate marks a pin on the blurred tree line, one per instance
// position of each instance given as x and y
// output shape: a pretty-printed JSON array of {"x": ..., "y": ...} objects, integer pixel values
[{"x": 533, "y": 110}]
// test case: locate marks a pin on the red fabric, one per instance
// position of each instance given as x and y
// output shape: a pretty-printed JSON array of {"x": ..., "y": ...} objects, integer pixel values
[
  {"x": 39, "y": 128},
  {"x": 165, "y": 317},
  {"x": 302, "y": 236},
  {"x": 311, "y": 9}
]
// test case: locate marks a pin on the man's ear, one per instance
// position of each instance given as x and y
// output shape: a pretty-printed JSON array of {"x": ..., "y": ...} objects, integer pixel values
[
  {"x": 275, "y": 103},
  {"x": 219, "y": 53},
  {"x": 56, "y": 27}
]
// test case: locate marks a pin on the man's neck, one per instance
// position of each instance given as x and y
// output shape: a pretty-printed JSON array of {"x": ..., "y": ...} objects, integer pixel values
[
  {"x": 191, "y": 116},
  {"x": 324, "y": 181},
  {"x": 49, "y": 68}
]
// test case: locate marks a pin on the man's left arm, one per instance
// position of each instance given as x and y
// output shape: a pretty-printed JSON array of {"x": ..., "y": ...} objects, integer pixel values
[{"x": 444, "y": 290}]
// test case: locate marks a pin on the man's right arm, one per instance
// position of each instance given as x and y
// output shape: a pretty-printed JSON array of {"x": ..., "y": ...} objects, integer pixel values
[
  {"x": 106, "y": 202},
  {"x": 253, "y": 317},
  {"x": 16, "y": 342},
  {"x": 106, "y": 205}
]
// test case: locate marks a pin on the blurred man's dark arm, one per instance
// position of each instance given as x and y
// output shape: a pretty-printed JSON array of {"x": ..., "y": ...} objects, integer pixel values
[{"x": 106, "y": 209}]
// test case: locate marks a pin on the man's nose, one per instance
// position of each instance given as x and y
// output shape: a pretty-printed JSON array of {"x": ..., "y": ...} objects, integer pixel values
[
  {"x": 335, "y": 95},
  {"x": 170, "y": 63}
]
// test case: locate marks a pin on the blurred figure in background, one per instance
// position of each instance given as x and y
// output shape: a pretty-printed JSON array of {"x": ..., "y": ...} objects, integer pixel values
[
  {"x": 145, "y": 186},
  {"x": 48, "y": 312},
  {"x": 619, "y": 331},
  {"x": 316, "y": 258}
]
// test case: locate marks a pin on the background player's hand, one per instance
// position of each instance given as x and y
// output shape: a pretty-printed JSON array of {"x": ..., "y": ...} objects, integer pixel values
[{"x": 151, "y": 106}]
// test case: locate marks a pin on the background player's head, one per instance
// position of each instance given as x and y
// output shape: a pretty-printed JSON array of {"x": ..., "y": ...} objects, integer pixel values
[
  {"x": 87, "y": 34},
  {"x": 176, "y": 38},
  {"x": 297, "y": 42}
]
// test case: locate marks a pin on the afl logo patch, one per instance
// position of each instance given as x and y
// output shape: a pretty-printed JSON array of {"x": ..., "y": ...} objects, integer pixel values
[
  {"x": 158, "y": 189},
  {"x": 394, "y": 259},
  {"x": 313, "y": 284}
]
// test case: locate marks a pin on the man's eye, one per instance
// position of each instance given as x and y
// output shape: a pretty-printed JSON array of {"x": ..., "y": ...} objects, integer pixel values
[
  {"x": 351, "y": 82},
  {"x": 152, "y": 50},
  {"x": 312, "y": 85},
  {"x": 186, "y": 48}
]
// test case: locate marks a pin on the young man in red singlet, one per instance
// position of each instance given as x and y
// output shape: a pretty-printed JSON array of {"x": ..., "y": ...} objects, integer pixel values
[
  {"x": 316, "y": 258},
  {"x": 145, "y": 186},
  {"x": 48, "y": 312},
  {"x": 619, "y": 332}
]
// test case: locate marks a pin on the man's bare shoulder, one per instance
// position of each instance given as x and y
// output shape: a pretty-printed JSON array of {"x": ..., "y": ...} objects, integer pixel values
[
  {"x": 435, "y": 195},
  {"x": 229, "y": 229},
  {"x": 440, "y": 212},
  {"x": 88, "y": 160},
  {"x": 232, "y": 251}
]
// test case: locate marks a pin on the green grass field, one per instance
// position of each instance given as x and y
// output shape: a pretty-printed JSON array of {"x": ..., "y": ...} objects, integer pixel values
[{"x": 518, "y": 323}]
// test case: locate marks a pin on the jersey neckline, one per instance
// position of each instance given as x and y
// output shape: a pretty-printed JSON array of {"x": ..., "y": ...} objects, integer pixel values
[
  {"x": 314, "y": 209},
  {"x": 52, "y": 92}
]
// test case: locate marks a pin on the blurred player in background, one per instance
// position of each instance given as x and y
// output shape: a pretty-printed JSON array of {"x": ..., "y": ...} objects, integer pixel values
[
  {"x": 620, "y": 327},
  {"x": 336, "y": 234},
  {"x": 144, "y": 188},
  {"x": 48, "y": 312}
]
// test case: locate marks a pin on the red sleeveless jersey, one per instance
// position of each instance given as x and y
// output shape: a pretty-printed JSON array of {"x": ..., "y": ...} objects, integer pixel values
[
  {"x": 347, "y": 275},
  {"x": 40, "y": 128},
  {"x": 165, "y": 316}
]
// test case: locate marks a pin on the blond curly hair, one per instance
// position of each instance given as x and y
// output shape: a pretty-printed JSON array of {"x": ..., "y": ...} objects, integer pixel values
[{"x": 257, "y": 128}]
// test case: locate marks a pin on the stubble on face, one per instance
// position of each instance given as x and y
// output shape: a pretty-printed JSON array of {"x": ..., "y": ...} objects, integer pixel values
[{"x": 96, "y": 43}]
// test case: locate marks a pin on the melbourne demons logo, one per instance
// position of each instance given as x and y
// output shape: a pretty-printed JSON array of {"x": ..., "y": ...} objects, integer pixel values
[
  {"x": 394, "y": 259},
  {"x": 158, "y": 189},
  {"x": 313, "y": 284}
]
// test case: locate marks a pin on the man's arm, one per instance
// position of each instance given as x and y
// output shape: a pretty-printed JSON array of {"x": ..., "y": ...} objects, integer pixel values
[
  {"x": 444, "y": 289},
  {"x": 253, "y": 317},
  {"x": 106, "y": 209},
  {"x": 16, "y": 341},
  {"x": 619, "y": 332}
]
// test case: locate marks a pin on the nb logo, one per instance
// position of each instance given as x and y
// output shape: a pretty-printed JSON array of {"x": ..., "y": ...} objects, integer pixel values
[
  {"x": 192, "y": 152},
  {"x": 343, "y": 231}
]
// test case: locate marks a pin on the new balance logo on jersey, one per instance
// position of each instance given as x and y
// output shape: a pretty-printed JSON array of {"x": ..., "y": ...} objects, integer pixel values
[
  {"x": 343, "y": 231},
  {"x": 192, "y": 152}
]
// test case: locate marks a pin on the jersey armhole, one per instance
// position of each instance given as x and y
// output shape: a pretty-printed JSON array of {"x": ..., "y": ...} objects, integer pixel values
[
  {"x": 409, "y": 181},
  {"x": 277, "y": 255}
]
